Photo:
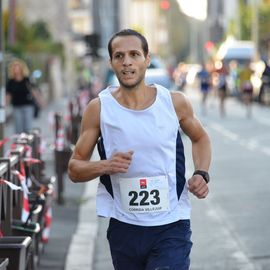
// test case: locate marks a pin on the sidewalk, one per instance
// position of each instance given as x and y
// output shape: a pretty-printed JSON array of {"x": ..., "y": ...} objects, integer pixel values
[
  {"x": 74, "y": 227},
  {"x": 73, "y": 230}
]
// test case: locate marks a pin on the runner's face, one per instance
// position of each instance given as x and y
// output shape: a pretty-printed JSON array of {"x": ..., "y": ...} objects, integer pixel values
[{"x": 128, "y": 61}]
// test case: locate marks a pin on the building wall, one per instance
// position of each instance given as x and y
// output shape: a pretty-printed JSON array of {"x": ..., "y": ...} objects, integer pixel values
[
  {"x": 55, "y": 14},
  {"x": 149, "y": 25},
  {"x": 105, "y": 19},
  {"x": 215, "y": 20},
  {"x": 124, "y": 6}
]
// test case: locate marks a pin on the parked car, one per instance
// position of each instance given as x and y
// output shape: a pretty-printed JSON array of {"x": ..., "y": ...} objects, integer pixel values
[{"x": 239, "y": 51}]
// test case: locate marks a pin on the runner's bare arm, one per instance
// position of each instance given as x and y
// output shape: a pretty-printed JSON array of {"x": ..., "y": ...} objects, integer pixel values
[
  {"x": 80, "y": 168},
  {"x": 201, "y": 147}
]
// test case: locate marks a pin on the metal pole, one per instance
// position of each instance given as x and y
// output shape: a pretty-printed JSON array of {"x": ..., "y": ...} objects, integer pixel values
[
  {"x": 193, "y": 41},
  {"x": 2, "y": 80},
  {"x": 12, "y": 22}
]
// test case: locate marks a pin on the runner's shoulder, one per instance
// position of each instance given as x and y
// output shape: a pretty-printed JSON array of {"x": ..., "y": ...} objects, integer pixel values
[
  {"x": 93, "y": 105},
  {"x": 179, "y": 99}
]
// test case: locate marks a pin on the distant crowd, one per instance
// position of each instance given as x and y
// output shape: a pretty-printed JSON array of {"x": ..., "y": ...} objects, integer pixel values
[{"x": 228, "y": 79}]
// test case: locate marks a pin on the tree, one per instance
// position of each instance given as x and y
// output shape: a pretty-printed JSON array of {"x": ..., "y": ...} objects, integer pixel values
[
  {"x": 245, "y": 20},
  {"x": 264, "y": 28},
  {"x": 31, "y": 38}
]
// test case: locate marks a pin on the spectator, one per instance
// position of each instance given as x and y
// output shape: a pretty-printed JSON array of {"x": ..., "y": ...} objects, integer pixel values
[{"x": 22, "y": 95}]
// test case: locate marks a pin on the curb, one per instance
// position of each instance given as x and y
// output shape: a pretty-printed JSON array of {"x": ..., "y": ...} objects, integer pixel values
[{"x": 81, "y": 250}]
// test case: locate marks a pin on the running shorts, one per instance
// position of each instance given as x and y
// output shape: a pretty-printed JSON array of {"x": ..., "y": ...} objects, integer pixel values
[{"x": 165, "y": 247}]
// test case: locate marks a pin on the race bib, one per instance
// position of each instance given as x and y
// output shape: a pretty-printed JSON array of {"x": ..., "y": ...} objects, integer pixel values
[{"x": 144, "y": 194}]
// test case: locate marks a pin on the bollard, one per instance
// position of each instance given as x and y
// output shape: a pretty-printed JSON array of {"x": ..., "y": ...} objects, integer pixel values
[
  {"x": 62, "y": 154},
  {"x": 75, "y": 121},
  {"x": 37, "y": 169},
  {"x": 61, "y": 163}
]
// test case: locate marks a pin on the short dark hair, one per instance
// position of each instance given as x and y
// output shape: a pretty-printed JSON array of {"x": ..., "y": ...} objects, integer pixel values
[{"x": 129, "y": 32}]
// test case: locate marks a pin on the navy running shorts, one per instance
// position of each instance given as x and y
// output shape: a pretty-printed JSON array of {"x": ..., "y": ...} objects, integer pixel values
[{"x": 165, "y": 247}]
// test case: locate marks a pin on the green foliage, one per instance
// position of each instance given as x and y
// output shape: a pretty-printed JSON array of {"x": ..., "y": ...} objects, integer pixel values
[
  {"x": 40, "y": 30},
  {"x": 232, "y": 29},
  {"x": 31, "y": 38},
  {"x": 246, "y": 19},
  {"x": 264, "y": 22}
]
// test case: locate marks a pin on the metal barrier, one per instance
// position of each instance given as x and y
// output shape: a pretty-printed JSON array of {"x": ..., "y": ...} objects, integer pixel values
[
  {"x": 21, "y": 238},
  {"x": 3, "y": 263},
  {"x": 17, "y": 250}
]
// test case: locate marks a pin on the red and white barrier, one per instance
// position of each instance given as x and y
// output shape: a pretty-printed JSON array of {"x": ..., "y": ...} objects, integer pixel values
[
  {"x": 25, "y": 208},
  {"x": 47, "y": 228}
]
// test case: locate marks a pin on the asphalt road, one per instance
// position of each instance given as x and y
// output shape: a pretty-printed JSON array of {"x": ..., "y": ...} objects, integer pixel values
[{"x": 231, "y": 227}]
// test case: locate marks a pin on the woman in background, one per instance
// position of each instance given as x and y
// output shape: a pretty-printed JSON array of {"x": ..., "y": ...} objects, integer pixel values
[{"x": 20, "y": 94}]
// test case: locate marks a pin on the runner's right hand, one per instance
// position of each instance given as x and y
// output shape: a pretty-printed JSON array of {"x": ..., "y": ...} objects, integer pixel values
[{"x": 119, "y": 162}]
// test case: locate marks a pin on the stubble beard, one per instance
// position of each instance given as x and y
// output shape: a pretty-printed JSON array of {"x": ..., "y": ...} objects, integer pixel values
[{"x": 134, "y": 85}]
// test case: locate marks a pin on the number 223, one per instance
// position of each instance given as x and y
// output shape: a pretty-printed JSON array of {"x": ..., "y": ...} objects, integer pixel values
[{"x": 143, "y": 197}]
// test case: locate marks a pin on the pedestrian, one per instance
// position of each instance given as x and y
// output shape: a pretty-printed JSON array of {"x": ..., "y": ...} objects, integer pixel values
[
  {"x": 246, "y": 87},
  {"x": 264, "y": 93},
  {"x": 205, "y": 79},
  {"x": 180, "y": 76},
  {"x": 22, "y": 95},
  {"x": 233, "y": 79},
  {"x": 142, "y": 186},
  {"x": 222, "y": 88}
]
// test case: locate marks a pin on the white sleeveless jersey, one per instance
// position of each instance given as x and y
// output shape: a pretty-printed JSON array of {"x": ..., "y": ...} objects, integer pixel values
[{"x": 154, "y": 190}]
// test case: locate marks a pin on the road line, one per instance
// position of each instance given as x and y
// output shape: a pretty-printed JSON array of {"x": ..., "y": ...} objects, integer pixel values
[
  {"x": 250, "y": 144},
  {"x": 263, "y": 121}
]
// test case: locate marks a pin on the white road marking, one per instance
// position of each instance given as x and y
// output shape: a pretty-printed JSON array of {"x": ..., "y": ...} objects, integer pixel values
[
  {"x": 263, "y": 121},
  {"x": 251, "y": 144}
]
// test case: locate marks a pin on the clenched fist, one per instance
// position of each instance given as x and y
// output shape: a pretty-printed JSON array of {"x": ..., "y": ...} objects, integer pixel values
[
  {"x": 198, "y": 186},
  {"x": 119, "y": 162}
]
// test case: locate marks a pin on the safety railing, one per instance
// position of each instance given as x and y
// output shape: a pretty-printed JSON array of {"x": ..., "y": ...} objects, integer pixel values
[{"x": 25, "y": 200}]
